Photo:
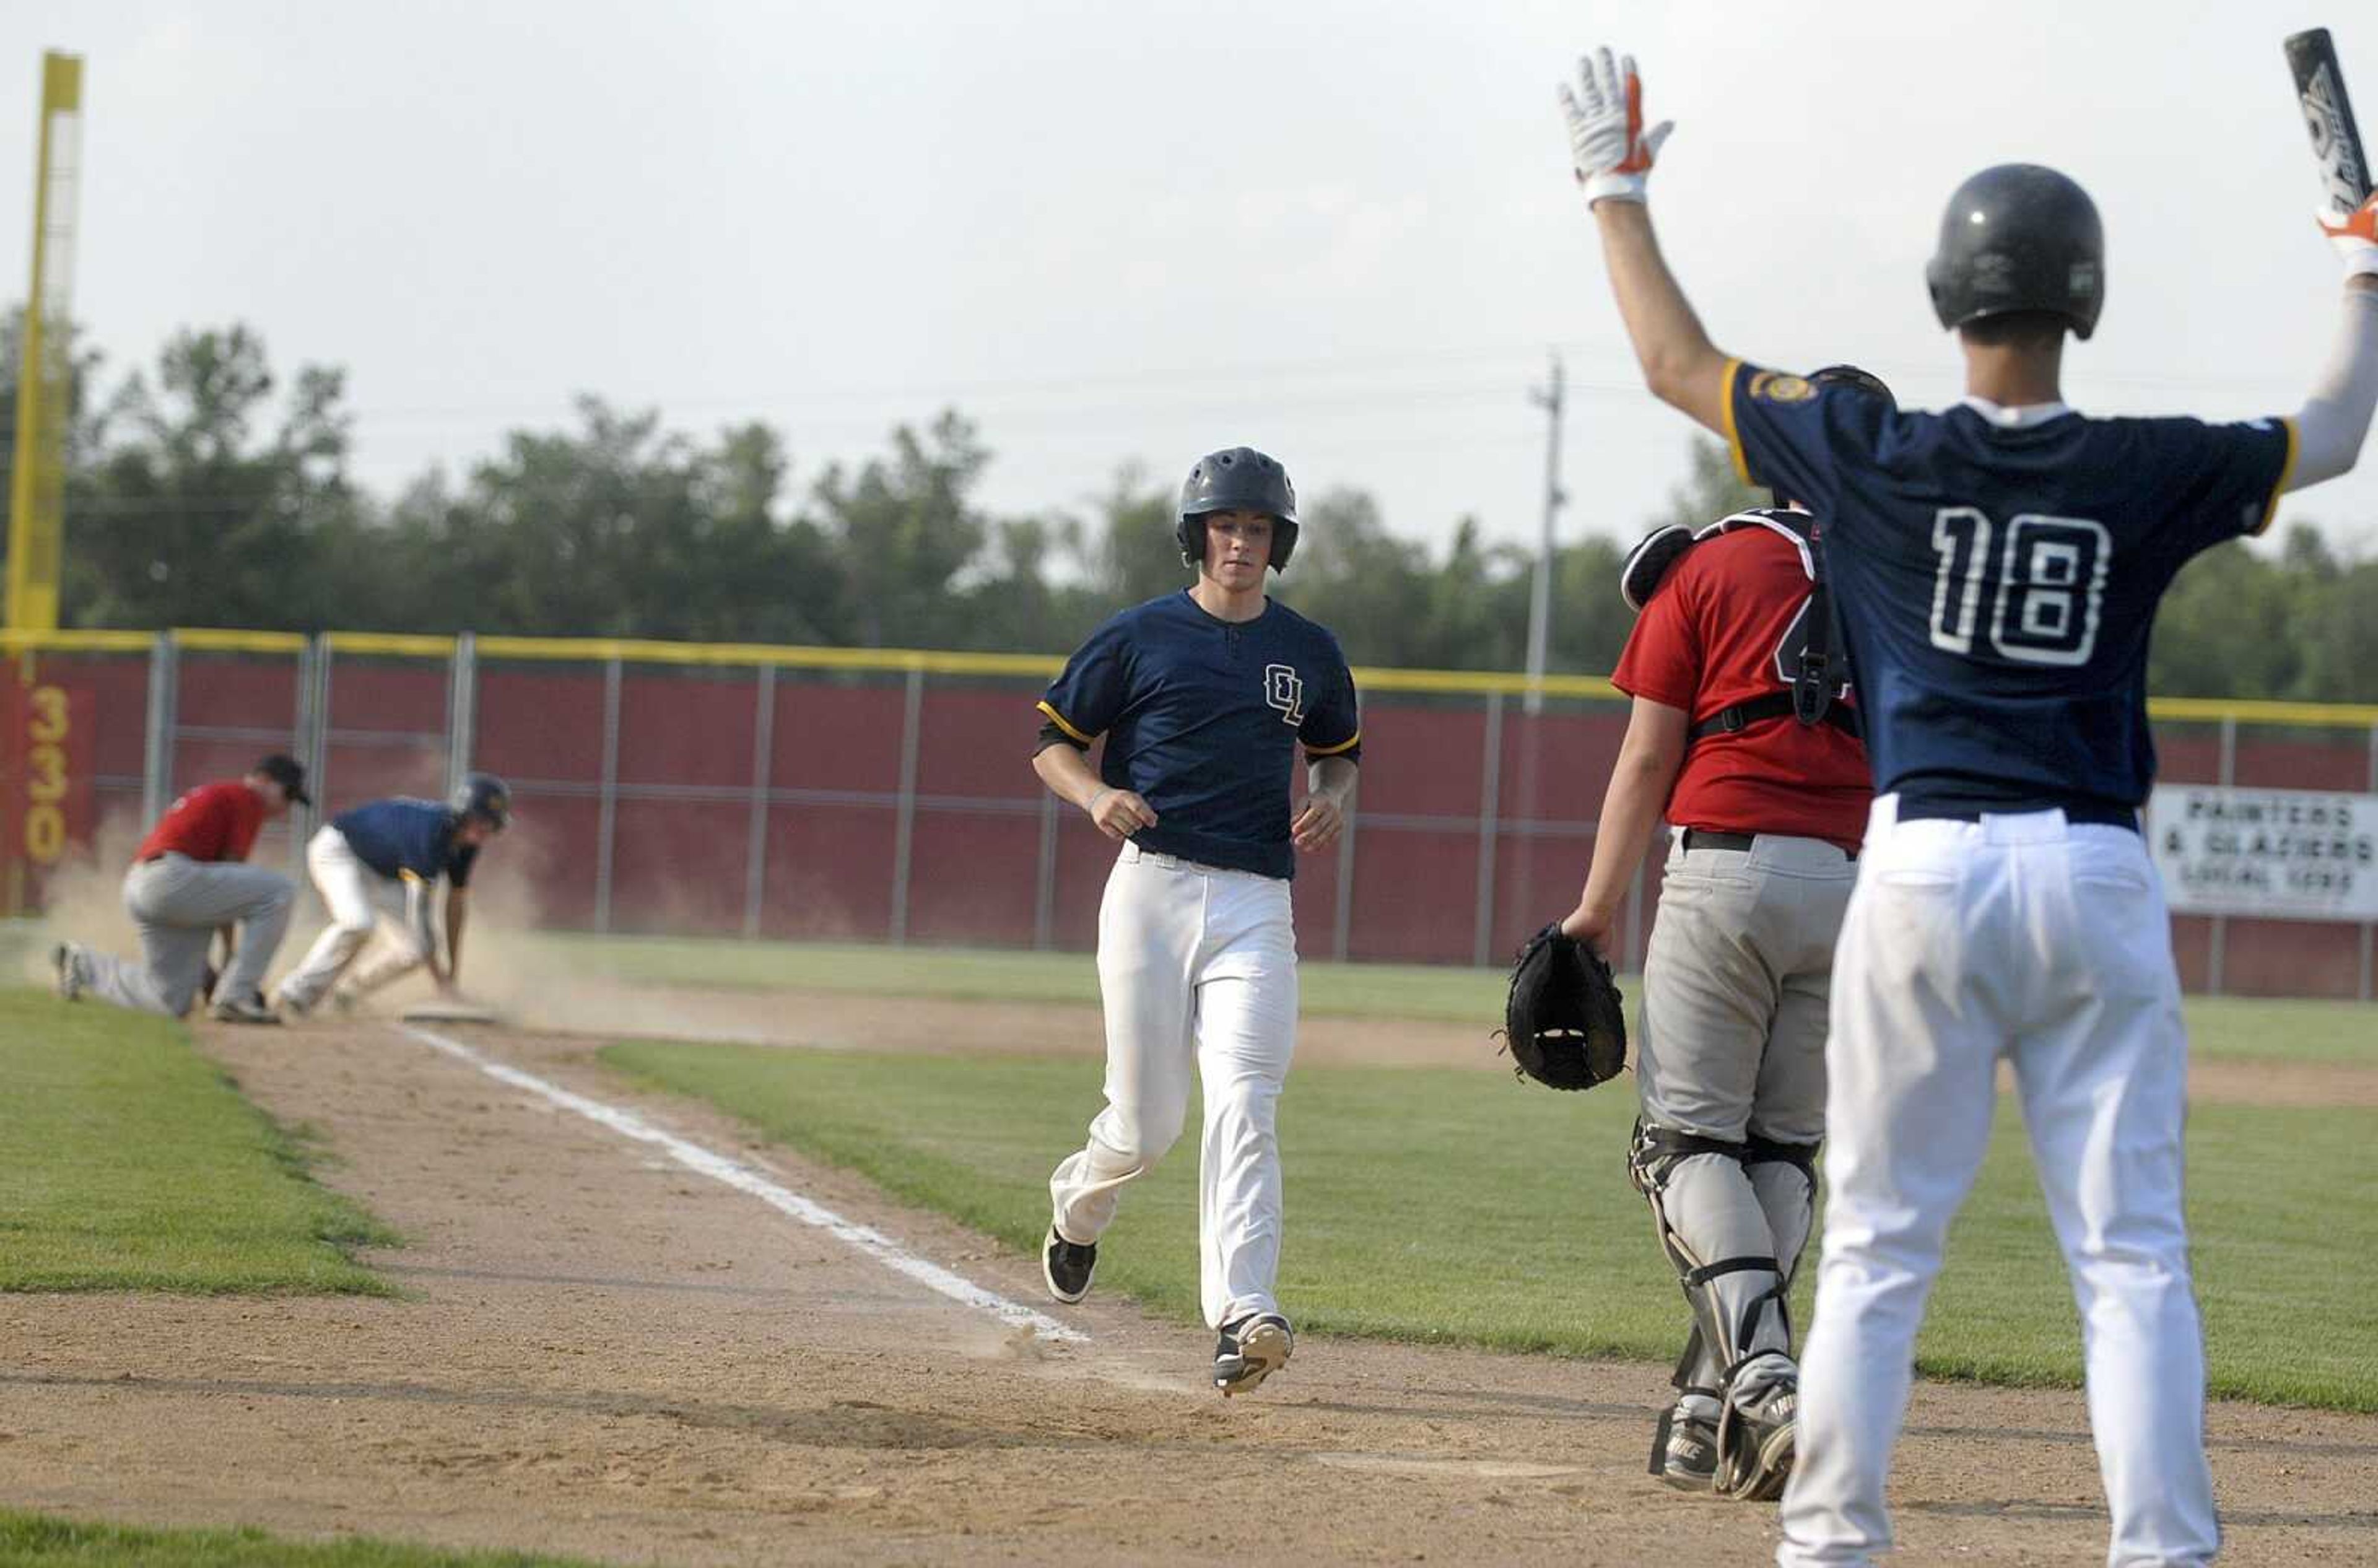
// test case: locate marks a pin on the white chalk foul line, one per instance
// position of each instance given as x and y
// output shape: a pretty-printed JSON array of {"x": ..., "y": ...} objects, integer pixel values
[{"x": 743, "y": 1179}]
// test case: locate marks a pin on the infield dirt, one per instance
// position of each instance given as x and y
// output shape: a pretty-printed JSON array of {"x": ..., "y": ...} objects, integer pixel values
[{"x": 602, "y": 1353}]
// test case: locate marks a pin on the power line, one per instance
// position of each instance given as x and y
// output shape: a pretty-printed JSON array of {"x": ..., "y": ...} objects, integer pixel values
[{"x": 1613, "y": 373}]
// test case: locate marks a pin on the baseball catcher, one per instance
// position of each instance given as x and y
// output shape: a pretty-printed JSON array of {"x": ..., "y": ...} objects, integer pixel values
[{"x": 1741, "y": 737}]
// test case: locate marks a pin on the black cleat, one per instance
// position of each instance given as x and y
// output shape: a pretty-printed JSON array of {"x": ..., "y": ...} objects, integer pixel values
[
  {"x": 1250, "y": 1350},
  {"x": 1067, "y": 1267},
  {"x": 66, "y": 970}
]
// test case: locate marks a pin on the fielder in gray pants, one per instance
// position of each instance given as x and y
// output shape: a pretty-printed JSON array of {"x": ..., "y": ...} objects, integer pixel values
[{"x": 189, "y": 880}]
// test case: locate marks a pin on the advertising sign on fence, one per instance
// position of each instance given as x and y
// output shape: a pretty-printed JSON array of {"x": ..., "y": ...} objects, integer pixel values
[{"x": 2281, "y": 854}]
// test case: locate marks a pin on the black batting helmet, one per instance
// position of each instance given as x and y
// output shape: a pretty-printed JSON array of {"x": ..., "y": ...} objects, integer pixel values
[
  {"x": 1237, "y": 479},
  {"x": 2019, "y": 237},
  {"x": 484, "y": 797}
]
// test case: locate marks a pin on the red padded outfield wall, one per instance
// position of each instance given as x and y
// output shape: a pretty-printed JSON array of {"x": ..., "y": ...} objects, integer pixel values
[{"x": 707, "y": 796}]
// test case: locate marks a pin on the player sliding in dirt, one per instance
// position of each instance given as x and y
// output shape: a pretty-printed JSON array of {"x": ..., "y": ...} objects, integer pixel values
[{"x": 384, "y": 860}]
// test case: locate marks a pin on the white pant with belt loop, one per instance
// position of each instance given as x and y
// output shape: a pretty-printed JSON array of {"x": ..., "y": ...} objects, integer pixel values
[
  {"x": 1196, "y": 972},
  {"x": 358, "y": 899},
  {"x": 2046, "y": 942}
]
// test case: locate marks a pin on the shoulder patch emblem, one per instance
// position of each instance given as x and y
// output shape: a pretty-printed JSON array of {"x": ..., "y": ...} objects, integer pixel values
[{"x": 1775, "y": 386}]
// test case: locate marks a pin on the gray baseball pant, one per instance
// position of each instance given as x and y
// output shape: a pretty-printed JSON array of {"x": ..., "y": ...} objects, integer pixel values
[
  {"x": 178, "y": 904},
  {"x": 1731, "y": 1045}
]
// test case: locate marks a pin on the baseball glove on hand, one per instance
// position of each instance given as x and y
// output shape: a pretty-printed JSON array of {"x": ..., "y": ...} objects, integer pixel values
[{"x": 1564, "y": 1020}]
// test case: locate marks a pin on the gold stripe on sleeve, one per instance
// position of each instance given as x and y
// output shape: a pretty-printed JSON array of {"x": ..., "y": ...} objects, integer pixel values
[
  {"x": 2286, "y": 471},
  {"x": 1058, "y": 719},
  {"x": 1733, "y": 432},
  {"x": 1347, "y": 745}
]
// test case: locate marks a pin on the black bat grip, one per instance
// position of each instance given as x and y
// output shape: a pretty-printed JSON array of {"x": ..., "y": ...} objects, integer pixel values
[{"x": 2329, "y": 116}]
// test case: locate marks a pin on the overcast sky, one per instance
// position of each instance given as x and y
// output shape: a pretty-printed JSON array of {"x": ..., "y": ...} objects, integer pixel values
[{"x": 1340, "y": 230}]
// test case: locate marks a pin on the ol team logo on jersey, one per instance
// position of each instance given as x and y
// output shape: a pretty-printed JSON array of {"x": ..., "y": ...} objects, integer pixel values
[{"x": 1284, "y": 690}]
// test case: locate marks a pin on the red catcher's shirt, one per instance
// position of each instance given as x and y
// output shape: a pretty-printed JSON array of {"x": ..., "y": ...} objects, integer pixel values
[
  {"x": 1708, "y": 640},
  {"x": 216, "y": 821}
]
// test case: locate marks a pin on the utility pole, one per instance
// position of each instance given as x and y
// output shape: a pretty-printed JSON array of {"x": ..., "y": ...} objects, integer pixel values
[{"x": 1551, "y": 398}]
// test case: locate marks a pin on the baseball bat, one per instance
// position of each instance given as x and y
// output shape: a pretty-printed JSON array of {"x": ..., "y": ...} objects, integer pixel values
[{"x": 2328, "y": 116}]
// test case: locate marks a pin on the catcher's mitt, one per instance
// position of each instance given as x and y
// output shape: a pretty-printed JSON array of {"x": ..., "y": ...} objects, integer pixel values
[{"x": 1564, "y": 1020}]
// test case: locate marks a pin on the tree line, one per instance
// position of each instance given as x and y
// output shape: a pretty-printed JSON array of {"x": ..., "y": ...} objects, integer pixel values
[{"x": 208, "y": 490}]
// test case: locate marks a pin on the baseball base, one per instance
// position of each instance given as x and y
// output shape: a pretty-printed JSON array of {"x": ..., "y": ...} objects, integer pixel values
[{"x": 447, "y": 1011}]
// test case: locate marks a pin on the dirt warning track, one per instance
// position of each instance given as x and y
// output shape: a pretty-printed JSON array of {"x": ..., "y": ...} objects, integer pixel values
[{"x": 603, "y": 1349}]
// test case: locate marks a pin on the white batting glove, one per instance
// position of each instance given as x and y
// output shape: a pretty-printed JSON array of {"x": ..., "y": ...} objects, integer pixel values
[
  {"x": 1606, "y": 139},
  {"x": 2355, "y": 235}
]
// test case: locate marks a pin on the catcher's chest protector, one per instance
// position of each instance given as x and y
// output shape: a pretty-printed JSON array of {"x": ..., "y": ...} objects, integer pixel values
[{"x": 1815, "y": 682}]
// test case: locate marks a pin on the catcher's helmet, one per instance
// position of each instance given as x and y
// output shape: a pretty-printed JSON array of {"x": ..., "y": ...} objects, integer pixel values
[
  {"x": 1850, "y": 374},
  {"x": 2019, "y": 237},
  {"x": 482, "y": 795},
  {"x": 1237, "y": 479}
]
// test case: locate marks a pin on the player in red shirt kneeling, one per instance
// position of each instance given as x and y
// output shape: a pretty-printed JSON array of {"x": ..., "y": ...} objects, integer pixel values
[
  {"x": 188, "y": 880},
  {"x": 1742, "y": 736}
]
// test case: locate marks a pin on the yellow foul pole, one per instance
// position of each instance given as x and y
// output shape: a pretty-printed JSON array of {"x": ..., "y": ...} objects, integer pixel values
[{"x": 37, "y": 493}]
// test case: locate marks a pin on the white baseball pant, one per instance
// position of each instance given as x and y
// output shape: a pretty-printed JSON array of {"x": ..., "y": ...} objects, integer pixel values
[
  {"x": 358, "y": 899},
  {"x": 2045, "y": 943},
  {"x": 1196, "y": 970}
]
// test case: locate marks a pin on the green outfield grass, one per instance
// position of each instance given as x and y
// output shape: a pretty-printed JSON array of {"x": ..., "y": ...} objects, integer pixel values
[
  {"x": 36, "y": 1538},
  {"x": 2277, "y": 1028},
  {"x": 128, "y": 1162},
  {"x": 1447, "y": 1204},
  {"x": 2223, "y": 1028},
  {"x": 1369, "y": 991}
]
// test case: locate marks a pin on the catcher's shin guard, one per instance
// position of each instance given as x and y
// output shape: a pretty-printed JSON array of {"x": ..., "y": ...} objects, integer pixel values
[
  {"x": 1784, "y": 1178},
  {"x": 1713, "y": 1223}
]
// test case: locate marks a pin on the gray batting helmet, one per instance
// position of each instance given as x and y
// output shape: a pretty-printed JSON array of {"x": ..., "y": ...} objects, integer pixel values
[
  {"x": 1237, "y": 479},
  {"x": 2019, "y": 237}
]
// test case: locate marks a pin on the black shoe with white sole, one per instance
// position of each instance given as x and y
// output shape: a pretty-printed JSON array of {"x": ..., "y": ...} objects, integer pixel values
[
  {"x": 1067, "y": 1267},
  {"x": 1249, "y": 1351}
]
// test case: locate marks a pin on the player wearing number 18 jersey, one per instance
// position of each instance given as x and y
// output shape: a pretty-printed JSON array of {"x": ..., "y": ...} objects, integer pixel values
[
  {"x": 2004, "y": 565},
  {"x": 1996, "y": 569}
]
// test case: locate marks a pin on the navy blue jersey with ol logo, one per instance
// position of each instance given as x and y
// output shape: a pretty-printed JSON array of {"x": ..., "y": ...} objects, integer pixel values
[
  {"x": 1203, "y": 718},
  {"x": 1996, "y": 585}
]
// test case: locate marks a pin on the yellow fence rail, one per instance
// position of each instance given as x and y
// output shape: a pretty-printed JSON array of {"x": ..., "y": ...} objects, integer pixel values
[{"x": 950, "y": 662}]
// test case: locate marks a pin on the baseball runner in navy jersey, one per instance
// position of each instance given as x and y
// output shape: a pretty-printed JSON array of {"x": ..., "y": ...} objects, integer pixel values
[
  {"x": 1996, "y": 569},
  {"x": 1203, "y": 696},
  {"x": 383, "y": 861}
]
